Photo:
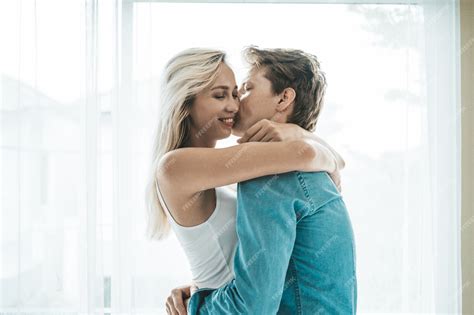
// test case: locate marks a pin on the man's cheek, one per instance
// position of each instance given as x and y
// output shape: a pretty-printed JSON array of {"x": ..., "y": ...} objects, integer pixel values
[{"x": 248, "y": 105}]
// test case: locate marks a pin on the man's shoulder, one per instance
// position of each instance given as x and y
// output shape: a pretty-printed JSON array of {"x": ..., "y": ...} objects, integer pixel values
[
  {"x": 321, "y": 177},
  {"x": 309, "y": 181},
  {"x": 316, "y": 188},
  {"x": 293, "y": 176},
  {"x": 289, "y": 176},
  {"x": 318, "y": 184}
]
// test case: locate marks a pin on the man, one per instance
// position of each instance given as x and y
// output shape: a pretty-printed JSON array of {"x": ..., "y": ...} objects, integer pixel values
[{"x": 296, "y": 254}]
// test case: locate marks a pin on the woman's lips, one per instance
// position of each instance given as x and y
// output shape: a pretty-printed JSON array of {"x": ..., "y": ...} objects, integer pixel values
[{"x": 228, "y": 122}]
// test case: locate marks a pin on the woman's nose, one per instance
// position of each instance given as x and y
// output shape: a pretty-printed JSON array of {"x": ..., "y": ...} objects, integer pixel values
[{"x": 233, "y": 106}]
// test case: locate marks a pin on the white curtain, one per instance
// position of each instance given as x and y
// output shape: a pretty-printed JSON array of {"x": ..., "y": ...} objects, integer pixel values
[{"x": 78, "y": 96}]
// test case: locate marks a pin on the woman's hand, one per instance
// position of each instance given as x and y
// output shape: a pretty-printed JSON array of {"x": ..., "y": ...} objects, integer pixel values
[
  {"x": 176, "y": 303},
  {"x": 266, "y": 130}
]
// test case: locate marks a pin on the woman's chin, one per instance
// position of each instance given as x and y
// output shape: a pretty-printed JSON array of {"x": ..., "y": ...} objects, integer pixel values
[{"x": 225, "y": 131}]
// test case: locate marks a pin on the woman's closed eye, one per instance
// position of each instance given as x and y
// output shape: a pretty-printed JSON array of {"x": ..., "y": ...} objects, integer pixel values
[{"x": 222, "y": 96}]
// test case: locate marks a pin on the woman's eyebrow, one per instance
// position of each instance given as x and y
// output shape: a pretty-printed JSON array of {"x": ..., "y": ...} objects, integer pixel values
[
  {"x": 220, "y": 87},
  {"x": 224, "y": 87}
]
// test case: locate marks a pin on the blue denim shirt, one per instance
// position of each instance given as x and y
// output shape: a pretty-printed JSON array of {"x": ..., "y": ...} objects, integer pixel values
[{"x": 295, "y": 251}]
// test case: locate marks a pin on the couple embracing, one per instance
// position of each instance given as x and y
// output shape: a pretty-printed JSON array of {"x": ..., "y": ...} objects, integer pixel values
[{"x": 282, "y": 242}]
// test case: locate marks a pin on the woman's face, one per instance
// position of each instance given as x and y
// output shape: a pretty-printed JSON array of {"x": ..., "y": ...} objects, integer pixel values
[{"x": 213, "y": 111}]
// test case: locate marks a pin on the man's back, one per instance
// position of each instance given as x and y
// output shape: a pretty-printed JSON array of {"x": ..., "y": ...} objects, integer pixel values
[
  {"x": 321, "y": 276},
  {"x": 295, "y": 252}
]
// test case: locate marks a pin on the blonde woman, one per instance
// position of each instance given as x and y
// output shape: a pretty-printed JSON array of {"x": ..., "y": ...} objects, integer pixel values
[{"x": 187, "y": 192}]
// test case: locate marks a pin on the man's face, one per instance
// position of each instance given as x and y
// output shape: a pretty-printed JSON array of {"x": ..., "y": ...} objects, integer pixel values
[{"x": 257, "y": 102}]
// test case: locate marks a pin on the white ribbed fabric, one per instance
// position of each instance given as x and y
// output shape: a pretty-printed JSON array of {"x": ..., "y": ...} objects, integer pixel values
[{"x": 210, "y": 246}]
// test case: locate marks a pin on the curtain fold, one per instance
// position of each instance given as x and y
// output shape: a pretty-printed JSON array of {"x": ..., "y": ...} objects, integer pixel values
[
  {"x": 91, "y": 298},
  {"x": 442, "y": 51}
]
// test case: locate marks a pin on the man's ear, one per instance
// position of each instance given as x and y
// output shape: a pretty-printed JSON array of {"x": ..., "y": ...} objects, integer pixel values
[{"x": 287, "y": 97}]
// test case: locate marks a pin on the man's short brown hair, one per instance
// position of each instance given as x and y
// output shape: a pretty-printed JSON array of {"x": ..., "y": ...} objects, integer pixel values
[{"x": 296, "y": 69}]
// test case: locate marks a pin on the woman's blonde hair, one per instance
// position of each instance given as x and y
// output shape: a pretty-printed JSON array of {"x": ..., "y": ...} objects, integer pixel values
[{"x": 185, "y": 75}]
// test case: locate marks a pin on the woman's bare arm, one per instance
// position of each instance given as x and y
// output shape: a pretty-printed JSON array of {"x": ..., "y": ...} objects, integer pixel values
[
  {"x": 197, "y": 169},
  {"x": 339, "y": 160}
]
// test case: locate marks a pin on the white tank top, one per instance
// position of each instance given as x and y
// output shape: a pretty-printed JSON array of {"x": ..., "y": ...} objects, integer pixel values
[{"x": 210, "y": 246}]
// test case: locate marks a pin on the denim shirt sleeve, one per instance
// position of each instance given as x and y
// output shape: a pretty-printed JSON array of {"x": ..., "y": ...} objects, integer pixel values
[{"x": 267, "y": 211}]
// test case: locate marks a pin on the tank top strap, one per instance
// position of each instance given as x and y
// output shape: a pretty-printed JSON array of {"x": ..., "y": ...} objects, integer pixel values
[
  {"x": 163, "y": 203},
  {"x": 171, "y": 218}
]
